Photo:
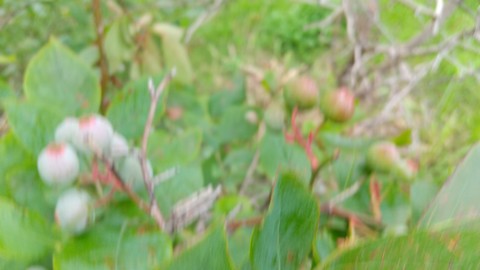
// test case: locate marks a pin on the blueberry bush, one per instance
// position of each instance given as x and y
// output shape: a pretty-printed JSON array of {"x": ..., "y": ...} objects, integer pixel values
[{"x": 115, "y": 155}]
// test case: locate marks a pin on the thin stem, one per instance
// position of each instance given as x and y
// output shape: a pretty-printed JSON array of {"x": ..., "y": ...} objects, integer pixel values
[
  {"x": 99, "y": 30},
  {"x": 147, "y": 179}
]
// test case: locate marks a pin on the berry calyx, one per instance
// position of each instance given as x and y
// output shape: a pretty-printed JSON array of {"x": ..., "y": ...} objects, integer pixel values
[
  {"x": 301, "y": 92},
  {"x": 72, "y": 211},
  {"x": 338, "y": 105},
  {"x": 58, "y": 164}
]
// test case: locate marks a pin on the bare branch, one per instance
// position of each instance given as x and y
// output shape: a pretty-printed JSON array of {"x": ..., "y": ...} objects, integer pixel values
[
  {"x": 418, "y": 8},
  {"x": 249, "y": 175},
  {"x": 207, "y": 15},
  {"x": 149, "y": 185},
  {"x": 99, "y": 30}
]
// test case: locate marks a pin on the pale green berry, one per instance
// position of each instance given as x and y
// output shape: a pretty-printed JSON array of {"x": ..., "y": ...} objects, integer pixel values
[
  {"x": 130, "y": 169},
  {"x": 384, "y": 157},
  {"x": 118, "y": 146},
  {"x": 73, "y": 210},
  {"x": 58, "y": 164},
  {"x": 275, "y": 116},
  {"x": 67, "y": 131}
]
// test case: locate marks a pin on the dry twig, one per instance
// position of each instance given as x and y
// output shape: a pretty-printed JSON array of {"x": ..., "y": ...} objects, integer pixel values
[{"x": 149, "y": 185}]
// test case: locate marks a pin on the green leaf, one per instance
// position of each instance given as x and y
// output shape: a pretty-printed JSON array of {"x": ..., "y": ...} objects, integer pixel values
[
  {"x": 57, "y": 78},
  {"x": 277, "y": 156},
  {"x": 458, "y": 198},
  {"x": 119, "y": 47},
  {"x": 221, "y": 101},
  {"x": 323, "y": 246},
  {"x": 187, "y": 180},
  {"x": 210, "y": 253},
  {"x": 175, "y": 52},
  {"x": 9, "y": 146},
  {"x": 288, "y": 230},
  {"x": 421, "y": 194},
  {"x": 454, "y": 248},
  {"x": 150, "y": 58},
  {"x": 114, "y": 247},
  {"x": 24, "y": 236},
  {"x": 33, "y": 124},
  {"x": 234, "y": 126},
  {"x": 239, "y": 247},
  {"x": 166, "y": 151},
  {"x": 27, "y": 190},
  {"x": 128, "y": 111}
]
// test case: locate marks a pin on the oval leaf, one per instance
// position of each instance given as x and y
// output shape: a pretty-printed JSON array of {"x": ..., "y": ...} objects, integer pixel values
[
  {"x": 210, "y": 253},
  {"x": 458, "y": 199},
  {"x": 114, "y": 247},
  {"x": 58, "y": 78},
  {"x": 24, "y": 236},
  {"x": 288, "y": 231}
]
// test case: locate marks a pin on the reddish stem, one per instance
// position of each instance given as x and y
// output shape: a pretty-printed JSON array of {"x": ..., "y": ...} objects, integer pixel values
[{"x": 304, "y": 143}]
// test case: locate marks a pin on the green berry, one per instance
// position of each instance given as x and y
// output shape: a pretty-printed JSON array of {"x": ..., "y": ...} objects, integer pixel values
[
  {"x": 338, "y": 105},
  {"x": 72, "y": 211},
  {"x": 384, "y": 157},
  {"x": 301, "y": 92}
]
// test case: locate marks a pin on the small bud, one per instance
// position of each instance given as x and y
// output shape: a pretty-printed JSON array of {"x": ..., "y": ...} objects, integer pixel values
[
  {"x": 130, "y": 170},
  {"x": 58, "y": 164},
  {"x": 118, "y": 146},
  {"x": 384, "y": 157},
  {"x": 72, "y": 211},
  {"x": 67, "y": 131},
  {"x": 302, "y": 93},
  {"x": 275, "y": 116},
  {"x": 338, "y": 105},
  {"x": 251, "y": 117},
  {"x": 174, "y": 113},
  {"x": 95, "y": 133}
]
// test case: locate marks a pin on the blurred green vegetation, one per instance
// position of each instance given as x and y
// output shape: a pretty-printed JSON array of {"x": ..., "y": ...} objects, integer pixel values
[{"x": 245, "y": 32}]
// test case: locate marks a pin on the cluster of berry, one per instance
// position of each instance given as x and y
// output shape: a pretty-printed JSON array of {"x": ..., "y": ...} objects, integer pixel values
[{"x": 87, "y": 138}]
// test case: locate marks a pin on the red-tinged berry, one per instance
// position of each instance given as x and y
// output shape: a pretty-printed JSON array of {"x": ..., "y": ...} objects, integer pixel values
[
  {"x": 338, "y": 105},
  {"x": 384, "y": 157},
  {"x": 58, "y": 164},
  {"x": 301, "y": 92},
  {"x": 95, "y": 134},
  {"x": 73, "y": 210}
]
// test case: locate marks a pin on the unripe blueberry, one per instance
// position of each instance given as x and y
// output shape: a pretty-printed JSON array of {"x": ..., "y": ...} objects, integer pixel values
[
  {"x": 95, "y": 133},
  {"x": 58, "y": 164},
  {"x": 384, "y": 157},
  {"x": 301, "y": 92},
  {"x": 130, "y": 170},
  {"x": 67, "y": 131},
  {"x": 275, "y": 116},
  {"x": 118, "y": 146},
  {"x": 338, "y": 105},
  {"x": 72, "y": 211}
]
